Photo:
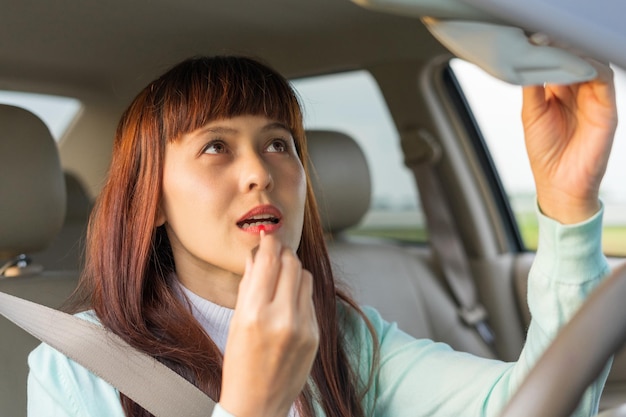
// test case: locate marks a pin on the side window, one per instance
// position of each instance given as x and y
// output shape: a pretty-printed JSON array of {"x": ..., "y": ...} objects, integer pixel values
[
  {"x": 56, "y": 112},
  {"x": 352, "y": 103},
  {"x": 496, "y": 107}
]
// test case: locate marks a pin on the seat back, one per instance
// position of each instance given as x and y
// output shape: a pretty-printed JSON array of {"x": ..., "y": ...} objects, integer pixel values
[
  {"x": 31, "y": 214},
  {"x": 66, "y": 249},
  {"x": 402, "y": 283}
]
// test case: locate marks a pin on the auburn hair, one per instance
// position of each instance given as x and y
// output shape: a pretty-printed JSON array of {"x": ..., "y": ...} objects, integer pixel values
[{"x": 129, "y": 267}]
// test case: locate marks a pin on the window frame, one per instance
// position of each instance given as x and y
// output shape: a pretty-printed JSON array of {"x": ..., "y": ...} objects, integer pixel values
[{"x": 463, "y": 112}]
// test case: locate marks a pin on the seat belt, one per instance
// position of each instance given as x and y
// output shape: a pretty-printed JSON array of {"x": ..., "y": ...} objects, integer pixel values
[
  {"x": 149, "y": 383},
  {"x": 422, "y": 154}
]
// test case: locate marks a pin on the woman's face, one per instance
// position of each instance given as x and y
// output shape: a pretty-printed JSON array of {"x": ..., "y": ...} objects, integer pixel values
[{"x": 223, "y": 184}]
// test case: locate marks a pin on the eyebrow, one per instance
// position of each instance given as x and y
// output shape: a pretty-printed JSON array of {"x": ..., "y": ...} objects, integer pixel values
[
  {"x": 275, "y": 125},
  {"x": 223, "y": 130},
  {"x": 218, "y": 129}
]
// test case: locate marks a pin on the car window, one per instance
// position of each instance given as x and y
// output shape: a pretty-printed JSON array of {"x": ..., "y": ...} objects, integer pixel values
[
  {"x": 57, "y": 112},
  {"x": 353, "y": 104},
  {"x": 496, "y": 107}
]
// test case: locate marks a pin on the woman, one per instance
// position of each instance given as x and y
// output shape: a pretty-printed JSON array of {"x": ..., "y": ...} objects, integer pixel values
[{"x": 206, "y": 239}]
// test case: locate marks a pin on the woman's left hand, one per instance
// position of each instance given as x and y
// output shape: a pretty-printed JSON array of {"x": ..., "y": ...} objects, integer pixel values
[{"x": 569, "y": 131}]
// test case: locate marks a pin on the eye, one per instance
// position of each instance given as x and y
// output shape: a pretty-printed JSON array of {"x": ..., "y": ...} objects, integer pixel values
[
  {"x": 215, "y": 147},
  {"x": 277, "y": 145}
]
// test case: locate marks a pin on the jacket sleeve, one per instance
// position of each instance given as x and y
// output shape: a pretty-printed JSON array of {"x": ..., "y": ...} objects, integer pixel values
[
  {"x": 59, "y": 387},
  {"x": 423, "y": 378}
]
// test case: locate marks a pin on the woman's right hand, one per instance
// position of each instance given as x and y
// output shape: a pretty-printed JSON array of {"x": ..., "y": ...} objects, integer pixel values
[
  {"x": 273, "y": 337},
  {"x": 569, "y": 132}
]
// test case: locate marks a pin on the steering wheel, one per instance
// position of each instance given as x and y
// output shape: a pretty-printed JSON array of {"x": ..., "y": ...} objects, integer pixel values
[
  {"x": 577, "y": 355},
  {"x": 614, "y": 412}
]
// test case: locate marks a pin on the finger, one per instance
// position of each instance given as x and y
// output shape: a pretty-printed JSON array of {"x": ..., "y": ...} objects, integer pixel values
[
  {"x": 289, "y": 279},
  {"x": 534, "y": 100},
  {"x": 603, "y": 82},
  {"x": 265, "y": 269},
  {"x": 603, "y": 86}
]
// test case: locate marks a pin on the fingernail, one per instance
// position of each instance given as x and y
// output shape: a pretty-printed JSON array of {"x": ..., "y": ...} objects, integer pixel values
[
  {"x": 539, "y": 39},
  {"x": 262, "y": 229}
]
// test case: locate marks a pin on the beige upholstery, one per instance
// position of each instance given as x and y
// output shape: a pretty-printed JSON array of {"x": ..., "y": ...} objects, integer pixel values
[
  {"x": 31, "y": 183},
  {"x": 401, "y": 283},
  {"x": 66, "y": 249},
  {"x": 32, "y": 210},
  {"x": 341, "y": 179}
]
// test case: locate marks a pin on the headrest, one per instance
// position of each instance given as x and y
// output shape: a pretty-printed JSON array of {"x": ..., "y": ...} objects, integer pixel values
[
  {"x": 340, "y": 178},
  {"x": 32, "y": 188},
  {"x": 78, "y": 201}
]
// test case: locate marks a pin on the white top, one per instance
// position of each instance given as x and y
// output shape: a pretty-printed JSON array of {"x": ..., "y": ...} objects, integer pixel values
[{"x": 214, "y": 319}]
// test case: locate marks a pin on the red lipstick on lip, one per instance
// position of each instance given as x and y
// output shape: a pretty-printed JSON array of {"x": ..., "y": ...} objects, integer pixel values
[{"x": 265, "y": 218}]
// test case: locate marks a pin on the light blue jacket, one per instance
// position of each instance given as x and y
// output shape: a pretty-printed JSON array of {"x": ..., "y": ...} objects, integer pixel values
[{"x": 416, "y": 377}]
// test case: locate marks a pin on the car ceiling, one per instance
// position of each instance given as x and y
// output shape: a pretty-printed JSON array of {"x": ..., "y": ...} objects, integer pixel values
[{"x": 119, "y": 45}]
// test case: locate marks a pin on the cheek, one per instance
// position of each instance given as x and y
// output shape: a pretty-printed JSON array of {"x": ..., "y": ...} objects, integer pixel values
[
  {"x": 296, "y": 195},
  {"x": 193, "y": 209},
  {"x": 299, "y": 182},
  {"x": 295, "y": 180},
  {"x": 188, "y": 198}
]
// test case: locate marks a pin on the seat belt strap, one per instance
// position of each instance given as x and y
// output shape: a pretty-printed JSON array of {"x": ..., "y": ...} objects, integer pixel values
[
  {"x": 149, "y": 383},
  {"x": 422, "y": 154}
]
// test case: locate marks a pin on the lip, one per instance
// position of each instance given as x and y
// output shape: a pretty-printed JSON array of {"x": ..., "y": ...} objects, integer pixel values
[{"x": 268, "y": 227}]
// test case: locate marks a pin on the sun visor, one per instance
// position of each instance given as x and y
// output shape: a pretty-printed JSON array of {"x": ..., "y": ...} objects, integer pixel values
[
  {"x": 441, "y": 9},
  {"x": 504, "y": 51}
]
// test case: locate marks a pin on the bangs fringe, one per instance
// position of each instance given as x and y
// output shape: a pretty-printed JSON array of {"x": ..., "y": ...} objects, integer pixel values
[{"x": 203, "y": 89}]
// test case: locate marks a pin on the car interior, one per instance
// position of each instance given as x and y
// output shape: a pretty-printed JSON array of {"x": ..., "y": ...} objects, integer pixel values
[{"x": 103, "y": 53}]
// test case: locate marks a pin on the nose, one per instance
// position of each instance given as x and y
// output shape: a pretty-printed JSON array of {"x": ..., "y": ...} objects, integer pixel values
[{"x": 256, "y": 173}]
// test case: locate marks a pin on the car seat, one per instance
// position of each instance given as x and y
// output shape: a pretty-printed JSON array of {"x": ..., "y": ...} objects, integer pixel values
[
  {"x": 31, "y": 215},
  {"x": 401, "y": 282},
  {"x": 66, "y": 249}
]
